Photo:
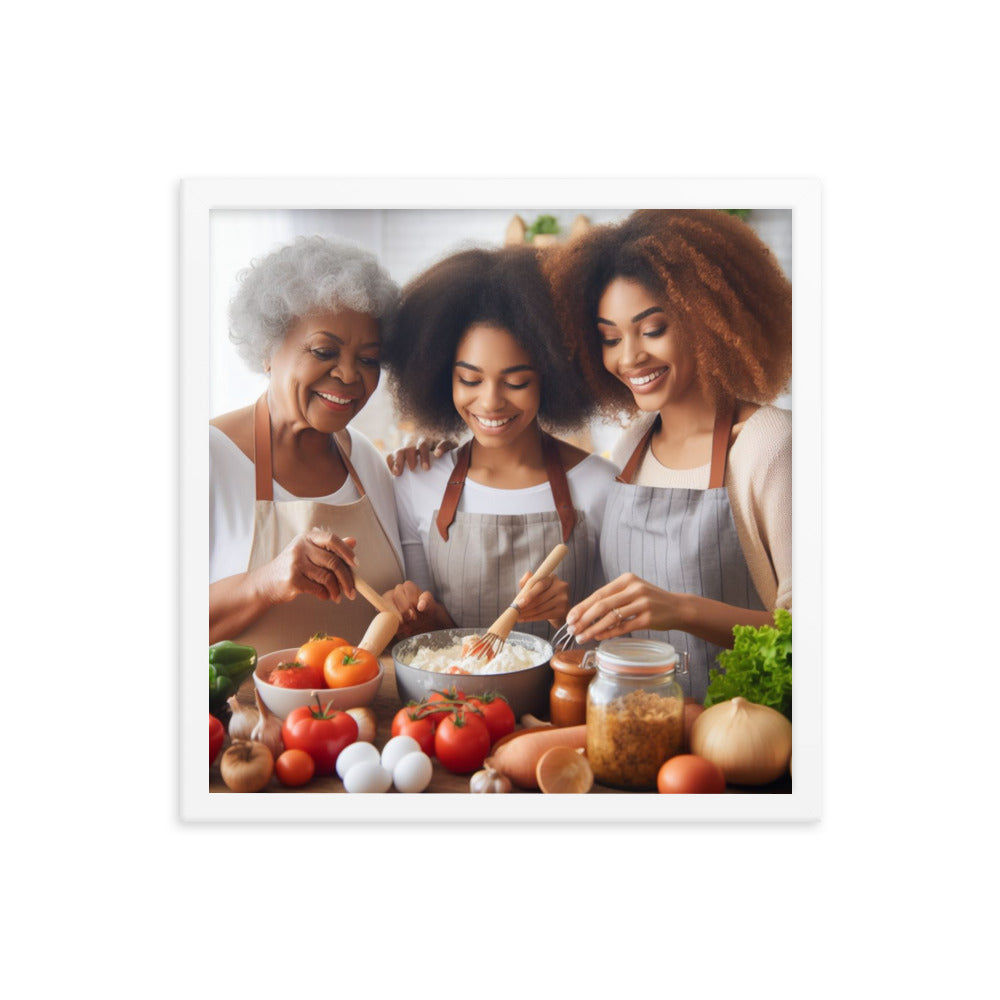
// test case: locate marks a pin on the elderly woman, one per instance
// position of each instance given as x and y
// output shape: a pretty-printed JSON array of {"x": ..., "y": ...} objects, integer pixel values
[
  {"x": 684, "y": 318},
  {"x": 297, "y": 497},
  {"x": 476, "y": 348}
]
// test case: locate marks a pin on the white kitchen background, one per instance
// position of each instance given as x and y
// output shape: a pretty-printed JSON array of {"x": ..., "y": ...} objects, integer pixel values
[{"x": 406, "y": 241}]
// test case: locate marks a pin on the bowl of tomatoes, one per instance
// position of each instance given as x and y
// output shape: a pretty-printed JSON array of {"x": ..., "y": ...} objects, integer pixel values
[
  {"x": 323, "y": 667},
  {"x": 434, "y": 661}
]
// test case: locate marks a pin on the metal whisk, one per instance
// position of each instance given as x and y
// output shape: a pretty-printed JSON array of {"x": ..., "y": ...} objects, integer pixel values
[
  {"x": 563, "y": 639},
  {"x": 491, "y": 643}
]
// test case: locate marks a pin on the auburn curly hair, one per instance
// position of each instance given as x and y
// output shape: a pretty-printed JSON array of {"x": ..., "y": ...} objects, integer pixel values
[
  {"x": 721, "y": 283},
  {"x": 506, "y": 287}
]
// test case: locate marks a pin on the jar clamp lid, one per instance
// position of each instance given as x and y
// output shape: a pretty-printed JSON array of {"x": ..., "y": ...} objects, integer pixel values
[{"x": 637, "y": 656}]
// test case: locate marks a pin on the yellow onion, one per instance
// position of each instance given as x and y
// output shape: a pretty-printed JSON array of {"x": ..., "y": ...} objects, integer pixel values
[{"x": 751, "y": 743}]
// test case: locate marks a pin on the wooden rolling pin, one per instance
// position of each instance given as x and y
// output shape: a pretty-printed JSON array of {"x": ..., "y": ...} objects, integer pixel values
[{"x": 380, "y": 632}]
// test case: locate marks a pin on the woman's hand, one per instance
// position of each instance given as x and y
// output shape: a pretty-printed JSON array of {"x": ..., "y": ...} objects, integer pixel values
[
  {"x": 419, "y": 609},
  {"x": 425, "y": 449},
  {"x": 627, "y": 604},
  {"x": 548, "y": 600},
  {"x": 316, "y": 562}
]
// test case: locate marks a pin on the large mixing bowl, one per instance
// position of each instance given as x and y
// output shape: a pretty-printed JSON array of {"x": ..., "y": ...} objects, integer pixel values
[{"x": 527, "y": 690}]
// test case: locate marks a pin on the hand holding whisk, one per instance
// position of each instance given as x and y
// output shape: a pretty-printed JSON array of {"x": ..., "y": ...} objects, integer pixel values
[{"x": 491, "y": 643}]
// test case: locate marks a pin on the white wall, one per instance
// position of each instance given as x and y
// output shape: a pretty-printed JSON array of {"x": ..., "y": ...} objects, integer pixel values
[{"x": 406, "y": 241}]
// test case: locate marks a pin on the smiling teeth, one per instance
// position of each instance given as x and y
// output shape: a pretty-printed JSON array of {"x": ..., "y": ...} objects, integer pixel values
[
  {"x": 645, "y": 379},
  {"x": 493, "y": 423},
  {"x": 334, "y": 399}
]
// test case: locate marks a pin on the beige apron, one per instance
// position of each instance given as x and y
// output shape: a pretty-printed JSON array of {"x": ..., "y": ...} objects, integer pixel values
[{"x": 276, "y": 523}]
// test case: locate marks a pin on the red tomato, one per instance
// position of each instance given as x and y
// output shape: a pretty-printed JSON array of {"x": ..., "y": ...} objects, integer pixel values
[
  {"x": 296, "y": 675},
  {"x": 294, "y": 768},
  {"x": 321, "y": 732},
  {"x": 688, "y": 773},
  {"x": 216, "y": 737},
  {"x": 446, "y": 699},
  {"x": 497, "y": 714},
  {"x": 347, "y": 666},
  {"x": 407, "y": 723},
  {"x": 462, "y": 742},
  {"x": 313, "y": 652}
]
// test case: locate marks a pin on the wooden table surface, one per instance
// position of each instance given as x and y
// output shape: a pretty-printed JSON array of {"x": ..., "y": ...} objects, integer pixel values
[{"x": 387, "y": 703}]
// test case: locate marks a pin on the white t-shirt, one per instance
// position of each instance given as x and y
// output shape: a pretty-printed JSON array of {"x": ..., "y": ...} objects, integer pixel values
[
  {"x": 419, "y": 493},
  {"x": 232, "y": 489}
]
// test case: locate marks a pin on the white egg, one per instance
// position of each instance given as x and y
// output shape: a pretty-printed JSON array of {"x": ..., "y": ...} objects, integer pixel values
[
  {"x": 368, "y": 776},
  {"x": 413, "y": 772},
  {"x": 396, "y": 749},
  {"x": 356, "y": 753}
]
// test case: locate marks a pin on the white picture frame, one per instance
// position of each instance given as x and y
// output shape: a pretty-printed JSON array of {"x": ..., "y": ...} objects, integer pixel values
[{"x": 201, "y": 197}]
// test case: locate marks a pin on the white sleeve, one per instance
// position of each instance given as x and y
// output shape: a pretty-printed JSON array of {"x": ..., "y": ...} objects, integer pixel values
[
  {"x": 230, "y": 507},
  {"x": 590, "y": 482},
  {"x": 415, "y": 564}
]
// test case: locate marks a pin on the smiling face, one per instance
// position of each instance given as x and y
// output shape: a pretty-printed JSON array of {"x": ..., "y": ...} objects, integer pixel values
[
  {"x": 643, "y": 348},
  {"x": 495, "y": 387},
  {"x": 325, "y": 370}
]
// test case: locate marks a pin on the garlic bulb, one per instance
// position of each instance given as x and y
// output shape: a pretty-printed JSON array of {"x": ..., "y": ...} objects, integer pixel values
[
  {"x": 242, "y": 721},
  {"x": 365, "y": 718},
  {"x": 751, "y": 743},
  {"x": 489, "y": 780},
  {"x": 268, "y": 729}
]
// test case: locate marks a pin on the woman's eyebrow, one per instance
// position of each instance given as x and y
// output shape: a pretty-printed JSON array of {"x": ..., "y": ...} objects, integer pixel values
[
  {"x": 364, "y": 347},
  {"x": 636, "y": 318},
  {"x": 505, "y": 371}
]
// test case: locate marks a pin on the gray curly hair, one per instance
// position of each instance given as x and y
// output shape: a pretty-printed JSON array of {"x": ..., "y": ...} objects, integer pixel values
[{"x": 312, "y": 273}]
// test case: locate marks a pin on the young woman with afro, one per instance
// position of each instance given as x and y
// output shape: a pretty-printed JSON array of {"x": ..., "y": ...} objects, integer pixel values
[
  {"x": 475, "y": 349},
  {"x": 684, "y": 319}
]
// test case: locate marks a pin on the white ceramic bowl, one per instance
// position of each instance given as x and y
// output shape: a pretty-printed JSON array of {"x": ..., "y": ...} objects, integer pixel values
[{"x": 281, "y": 700}]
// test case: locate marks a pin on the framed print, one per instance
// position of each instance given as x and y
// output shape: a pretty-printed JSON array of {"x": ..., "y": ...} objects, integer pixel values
[{"x": 286, "y": 426}]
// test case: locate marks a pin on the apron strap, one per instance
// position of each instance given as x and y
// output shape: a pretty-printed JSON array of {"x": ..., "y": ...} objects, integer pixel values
[
  {"x": 632, "y": 465},
  {"x": 453, "y": 491},
  {"x": 559, "y": 485},
  {"x": 720, "y": 445},
  {"x": 347, "y": 463},
  {"x": 262, "y": 449},
  {"x": 554, "y": 470},
  {"x": 263, "y": 469},
  {"x": 720, "y": 449}
]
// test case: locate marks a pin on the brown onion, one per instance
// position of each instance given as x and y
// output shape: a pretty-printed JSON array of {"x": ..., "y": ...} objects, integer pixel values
[{"x": 246, "y": 766}]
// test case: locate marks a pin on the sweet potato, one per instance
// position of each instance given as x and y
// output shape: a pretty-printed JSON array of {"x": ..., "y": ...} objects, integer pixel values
[{"x": 517, "y": 755}]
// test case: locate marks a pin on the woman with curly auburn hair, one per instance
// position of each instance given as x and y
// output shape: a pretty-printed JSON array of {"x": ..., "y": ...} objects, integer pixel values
[
  {"x": 294, "y": 492},
  {"x": 475, "y": 345},
  {"x": 684, "y": 318}
]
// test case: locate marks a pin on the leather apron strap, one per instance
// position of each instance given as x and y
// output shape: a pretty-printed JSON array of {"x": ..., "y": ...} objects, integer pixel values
[
  {"x": 453, "y": 491},
  {"x": 559, "y": 485},
  {"x": 554, "y": 470},
  {"x": 721, "y": 432},
  {"x": 263, "y": 469}
]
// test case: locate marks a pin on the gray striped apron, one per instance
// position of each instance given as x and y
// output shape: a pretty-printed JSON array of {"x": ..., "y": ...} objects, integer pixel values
[
  {"x": 476, "y": 560},
  {"x": 683, "y": 541}
]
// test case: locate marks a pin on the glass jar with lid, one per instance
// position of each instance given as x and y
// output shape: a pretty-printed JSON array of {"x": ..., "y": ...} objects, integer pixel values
[{"x": 635, "y": 711}]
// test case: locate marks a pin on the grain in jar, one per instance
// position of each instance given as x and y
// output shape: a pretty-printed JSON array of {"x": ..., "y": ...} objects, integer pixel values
[{"x": 635, "y": 712}]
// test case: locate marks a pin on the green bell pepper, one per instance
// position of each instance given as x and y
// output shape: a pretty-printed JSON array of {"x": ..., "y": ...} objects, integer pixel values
[{"x": 229, "y": 665}]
